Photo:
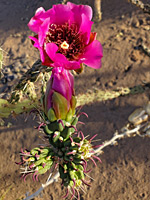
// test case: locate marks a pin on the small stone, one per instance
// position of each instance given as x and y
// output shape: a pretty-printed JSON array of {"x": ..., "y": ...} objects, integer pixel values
[
  {"x": 135, "y": 23},
  {"x": 122, "y": 17},
  {"x": 6, "y": 70},
  {"x": 4, "y": 80},
  {"x": 135, "y": 55},
  {"x": 148, "y": 20},
  {"x": 110, "y": 83},
  {"x": 12, "y": 77}
]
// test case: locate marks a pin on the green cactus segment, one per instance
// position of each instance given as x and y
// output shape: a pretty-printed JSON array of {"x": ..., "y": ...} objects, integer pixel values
[
  {"x": 68, "y": 149},
  {"x": 73, "y": 169},
  {"x": 72, "y": 152},
  {"x": 6, "y": 108},
  {"x": 60, "y": 129},
  {"x": 39, "y": 159}
]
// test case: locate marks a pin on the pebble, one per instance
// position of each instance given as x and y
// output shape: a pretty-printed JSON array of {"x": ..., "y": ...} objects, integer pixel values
[
  {"x": 11, "y": 77},
  {"x": 6, "y": 70},
  {"x": 135, "y": 23}
]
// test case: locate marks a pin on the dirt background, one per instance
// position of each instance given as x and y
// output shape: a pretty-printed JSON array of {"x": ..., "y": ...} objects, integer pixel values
[{"x": 125, "y": 170}]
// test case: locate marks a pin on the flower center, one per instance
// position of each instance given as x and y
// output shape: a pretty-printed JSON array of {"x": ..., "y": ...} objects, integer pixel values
[
  {"x": 70, "y": 42},
  {"x": 64, "y": 45}
]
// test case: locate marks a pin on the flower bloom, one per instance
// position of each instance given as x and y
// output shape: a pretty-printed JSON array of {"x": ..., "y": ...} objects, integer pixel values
[
  {"x": 59, "y": 100},
  {"x": 64, "y": 36}
]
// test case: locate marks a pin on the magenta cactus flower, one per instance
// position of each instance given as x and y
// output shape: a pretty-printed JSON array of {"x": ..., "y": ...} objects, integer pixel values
[
  {"x": 64, "y": 36},
  {"x": 59, "y": 100}
]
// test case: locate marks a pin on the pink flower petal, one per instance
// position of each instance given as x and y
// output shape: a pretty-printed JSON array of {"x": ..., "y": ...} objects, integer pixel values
[
  {"x": 63, "y": 82},
  {"x": 62, "y": 15},
  {"x": 43, "y": 31},
  {"x": 51, "y": 50},
  {"x": 93, "y": 54},
  {"x": 85, "y": 27},
  {"x": 59, "y": 59},
  {"x": 72, "y": 65},
  {"x": 78, "y": 10},
  {"x": 35, "y": 40},
  {"x": 36, "y": 21}
]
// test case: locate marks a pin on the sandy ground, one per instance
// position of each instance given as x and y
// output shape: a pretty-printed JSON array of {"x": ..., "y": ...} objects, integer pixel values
[{"x": 125, "y": 170}]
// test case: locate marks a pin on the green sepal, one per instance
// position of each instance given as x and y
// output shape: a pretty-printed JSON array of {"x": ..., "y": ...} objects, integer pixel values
[
  {"x": 74, "y": 121},
  {"x": 73, "y": 104},
  {"x": 69, "y": 115},
  {"x": 60, "y": 105},
  {"x": 51, "y": 115}
]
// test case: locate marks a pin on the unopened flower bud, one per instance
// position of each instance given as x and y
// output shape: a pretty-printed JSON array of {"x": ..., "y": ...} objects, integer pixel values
[{"x": 59, "y": 101}]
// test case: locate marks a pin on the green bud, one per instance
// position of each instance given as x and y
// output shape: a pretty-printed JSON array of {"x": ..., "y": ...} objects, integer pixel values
[
  {"x": 34, "y": 151},
  {"x": 56, "y": 136},
  {"x": 80, "y": 174},
  {"x": 31, "y": 159},
  {"x": 38, "y": 162},
  {"x": 72, "y": 174},
  {"x": 42, "y": 170},
  {"x": 47, "y": 131}
]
